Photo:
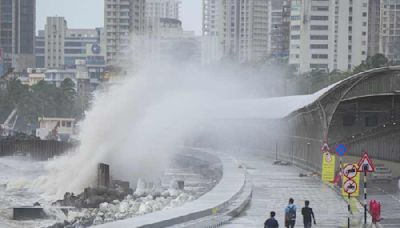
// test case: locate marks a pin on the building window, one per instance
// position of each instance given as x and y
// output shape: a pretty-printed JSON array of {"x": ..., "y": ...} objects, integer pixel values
[
  {"x": 295, "y": 18},
  {"x": 319, "y": 27},
  {"x": 295, "y": 37},
  {"x": 318, "y": 37},
  {"x": 295, "y": 27},
  {"x": 319, "y": 56},
  {"x": 319, "y": 18},
  {"x": 319, "y": 46},
  {"x": 319, "y": 66},
  {"x": 319, "y": 8}
]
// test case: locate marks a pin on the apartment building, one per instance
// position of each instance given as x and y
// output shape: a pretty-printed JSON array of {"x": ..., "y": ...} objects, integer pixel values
[
  {"x": 351, "y": 48},
  {"x": 238, "y": 28},
  {"x": 163, "y": 8},
  {"x": 278, "y": 28},
  {"x": 122, "y": 20},
  {"x": 213, "y": 17},
  {"x": 54, "y": 36},
  {"x": 328, "y": 34},
  {"x": 253, "y": 38},
  {"x": 374, "y": 14},
  {"x": 389, "y": 40}
]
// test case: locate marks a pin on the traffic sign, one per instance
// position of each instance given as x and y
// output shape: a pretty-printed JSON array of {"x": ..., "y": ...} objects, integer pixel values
[
  {"x": 328, "y": 157},
  {"x": 341, "y": 150},
  {"x": 366, "y": 164},
  {"x": 356, "y": 179},
  {"x": 350, "y": 171},
  {"x": 350, "y": 187},
  {"x": 325, "y": 148},
  {"x": 328, "y": 167}
]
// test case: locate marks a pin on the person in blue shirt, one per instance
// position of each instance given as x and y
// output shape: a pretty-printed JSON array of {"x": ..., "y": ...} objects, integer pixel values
[
  {"x": 290, "y": 214},
  {"x": 271, "y": 222}
]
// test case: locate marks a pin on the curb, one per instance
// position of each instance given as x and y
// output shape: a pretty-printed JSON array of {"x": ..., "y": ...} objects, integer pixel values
[
  {"x": 224, "y": 218},
  {"x": 214, "y": 204}
]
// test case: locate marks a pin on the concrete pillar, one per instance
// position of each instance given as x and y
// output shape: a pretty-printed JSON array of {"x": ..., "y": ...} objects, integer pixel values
[
  {"x": 181, "y": 184},
  {"x": 103, "y": 175}
]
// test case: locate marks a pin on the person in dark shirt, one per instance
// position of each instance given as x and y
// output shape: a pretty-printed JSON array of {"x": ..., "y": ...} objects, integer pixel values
[
  {"x": 271, "y": 222},
  {"x": 308, "y": 215}
]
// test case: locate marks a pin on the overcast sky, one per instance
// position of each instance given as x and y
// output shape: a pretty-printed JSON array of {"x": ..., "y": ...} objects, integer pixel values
[{"x": 89, "y": 13}]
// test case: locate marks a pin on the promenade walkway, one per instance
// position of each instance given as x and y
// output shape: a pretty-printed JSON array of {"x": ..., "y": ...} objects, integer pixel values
[{"x": 274, "y": 185}]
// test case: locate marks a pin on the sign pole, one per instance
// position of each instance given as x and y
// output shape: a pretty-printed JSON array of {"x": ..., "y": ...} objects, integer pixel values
[
  {"x": 349, "y": 211},
  {"x": 365, "y": 165},
  {"x": 341, "y": 168},
  {"x": 365, "y": 198},
  {"x": 341, "y": 151}
]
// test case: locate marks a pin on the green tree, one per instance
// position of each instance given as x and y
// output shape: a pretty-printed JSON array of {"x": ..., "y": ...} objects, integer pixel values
[
  {"x": 376, "y": 61},
  {"x": 47, "y": 97},
  {"x": 68, "y": 89},
  {"x": 67, "y": 98}
]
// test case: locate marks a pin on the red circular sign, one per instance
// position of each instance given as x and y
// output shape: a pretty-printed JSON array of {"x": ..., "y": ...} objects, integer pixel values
[{"x": 350, "y": 187}]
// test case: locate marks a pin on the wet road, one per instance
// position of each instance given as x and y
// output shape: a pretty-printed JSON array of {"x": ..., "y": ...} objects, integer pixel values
[
  {"x": 389, "y": 196},
  {"x": 274, "y": 185}
]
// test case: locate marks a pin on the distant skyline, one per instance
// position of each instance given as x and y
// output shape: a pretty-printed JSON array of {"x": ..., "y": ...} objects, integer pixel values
[{"x": 90, "y": 13}]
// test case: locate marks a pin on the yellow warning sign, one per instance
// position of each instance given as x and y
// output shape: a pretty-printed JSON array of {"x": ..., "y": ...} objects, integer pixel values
[
  {"x": 350, "y": 185},
  {"x": 328, "y": 167}
]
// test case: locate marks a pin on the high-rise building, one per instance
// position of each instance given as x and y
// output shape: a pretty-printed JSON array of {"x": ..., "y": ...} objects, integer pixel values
[
  {"x": 383, "y": 29},
  {"x": 285, "y": 29},
  {"x": 163, "y": 8},
  {"x": 213, "y": 17},
  {"x": 240, "y": 28},
  {"x": 328, "y": 35},
  {"x": 389, "y": 40},
  {"x": 122, "y": 20},
  {"x": 253, "y": 30},
  {"x": 213, "y": 40},
  {"x": 374, "y": 14},
  {"x": 351, "y": 34},
  {"x": 17, "y": 34},
  {"x": 54, "y": 36},
  {"x": 276, "y": 29},
  {"x": 137, "y": 17}
]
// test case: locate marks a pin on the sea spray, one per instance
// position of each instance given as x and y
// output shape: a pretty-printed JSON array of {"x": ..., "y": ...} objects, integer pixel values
[{"x": 137, "y": 125}]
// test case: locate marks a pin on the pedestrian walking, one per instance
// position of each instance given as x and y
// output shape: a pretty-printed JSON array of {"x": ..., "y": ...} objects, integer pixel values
[
  {"x": 308, "y": 215},
  {"x": 290, "y": 214},
  {"x": 271, "y": 222}
]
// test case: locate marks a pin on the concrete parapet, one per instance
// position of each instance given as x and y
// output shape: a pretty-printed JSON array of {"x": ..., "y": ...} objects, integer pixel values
[
  {"x": 28, "y": 213},
  {"x": 215, "y": 204}
]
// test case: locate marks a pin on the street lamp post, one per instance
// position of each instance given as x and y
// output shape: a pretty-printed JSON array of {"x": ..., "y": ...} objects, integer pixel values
[{"x": 308, "y": 153}]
